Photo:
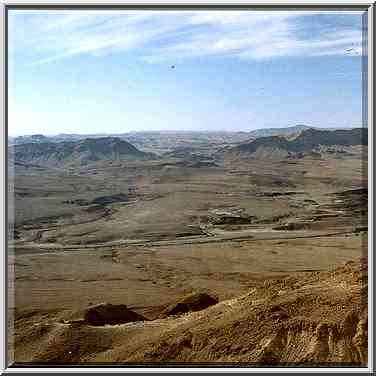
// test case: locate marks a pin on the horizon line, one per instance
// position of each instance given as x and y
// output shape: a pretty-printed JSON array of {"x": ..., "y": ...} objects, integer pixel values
[{"x": 178, "y": 131}]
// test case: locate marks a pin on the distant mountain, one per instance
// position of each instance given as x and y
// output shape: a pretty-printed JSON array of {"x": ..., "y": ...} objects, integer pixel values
[
  {"x": 35, "y": 138},
  {"x": 307, "y": 140},
  {"x": 78, "y": 152},
  {"x": 266, "y": 132}
]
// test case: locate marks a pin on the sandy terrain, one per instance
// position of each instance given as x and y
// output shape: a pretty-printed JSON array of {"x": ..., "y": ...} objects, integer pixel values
[{"x": 228, "y": 230}]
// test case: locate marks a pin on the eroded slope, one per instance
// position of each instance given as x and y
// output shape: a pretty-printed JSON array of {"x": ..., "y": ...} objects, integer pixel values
[{"x": 317, "y": 319}]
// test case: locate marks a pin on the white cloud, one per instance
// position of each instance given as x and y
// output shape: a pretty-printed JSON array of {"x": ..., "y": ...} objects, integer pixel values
[{"x": 160, "y": 35}]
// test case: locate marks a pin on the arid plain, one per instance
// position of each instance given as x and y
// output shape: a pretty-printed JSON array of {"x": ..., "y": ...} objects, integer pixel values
[{"x": 276, "y": 234}]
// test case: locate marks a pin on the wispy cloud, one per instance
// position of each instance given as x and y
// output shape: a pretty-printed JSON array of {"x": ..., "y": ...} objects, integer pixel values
[{"x": 157, "y": 36}]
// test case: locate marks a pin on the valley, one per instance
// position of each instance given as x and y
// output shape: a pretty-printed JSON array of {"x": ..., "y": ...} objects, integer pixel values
[{"x": 101, "y": 220}]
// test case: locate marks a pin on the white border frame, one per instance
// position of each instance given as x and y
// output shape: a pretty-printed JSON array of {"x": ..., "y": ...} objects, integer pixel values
[{"x": 3, "y": 203}]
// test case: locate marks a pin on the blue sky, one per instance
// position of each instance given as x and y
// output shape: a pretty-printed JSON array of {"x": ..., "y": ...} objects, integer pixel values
[{"x": 110, "y": 71}]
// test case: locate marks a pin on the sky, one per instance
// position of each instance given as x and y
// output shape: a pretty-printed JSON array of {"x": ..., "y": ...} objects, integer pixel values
[{"x": 106, "y": 71}]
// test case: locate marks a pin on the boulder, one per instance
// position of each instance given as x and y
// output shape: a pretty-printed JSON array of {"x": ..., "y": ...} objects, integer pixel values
[
  {"x": 111, "y": 314},
  {"x": 190, "y": 303}
]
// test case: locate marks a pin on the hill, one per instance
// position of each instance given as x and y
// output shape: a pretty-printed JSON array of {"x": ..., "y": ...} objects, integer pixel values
[
  {"x": 78, "y": 152},
  {"x": 307, "y": 140},
  {"x": 33, "y": 139},
  {"x": 316, "y": 319},
  {"x": 266, "y": 132}
]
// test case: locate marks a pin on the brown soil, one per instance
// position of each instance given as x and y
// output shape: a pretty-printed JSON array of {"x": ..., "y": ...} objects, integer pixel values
[
  {"x": 318, "y": 319},
  {"x": 191, "y": 303},
  {"x": 110, "y": 314},
  {"x": 279, "y": 303}
]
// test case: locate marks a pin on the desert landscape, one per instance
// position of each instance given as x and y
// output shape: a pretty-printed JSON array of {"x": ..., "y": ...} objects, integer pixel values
[{"x": 203, "y": 248}]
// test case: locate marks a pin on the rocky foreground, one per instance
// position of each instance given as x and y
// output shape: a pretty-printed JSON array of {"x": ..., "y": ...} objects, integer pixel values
[{"x": 313, "y": 320}]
